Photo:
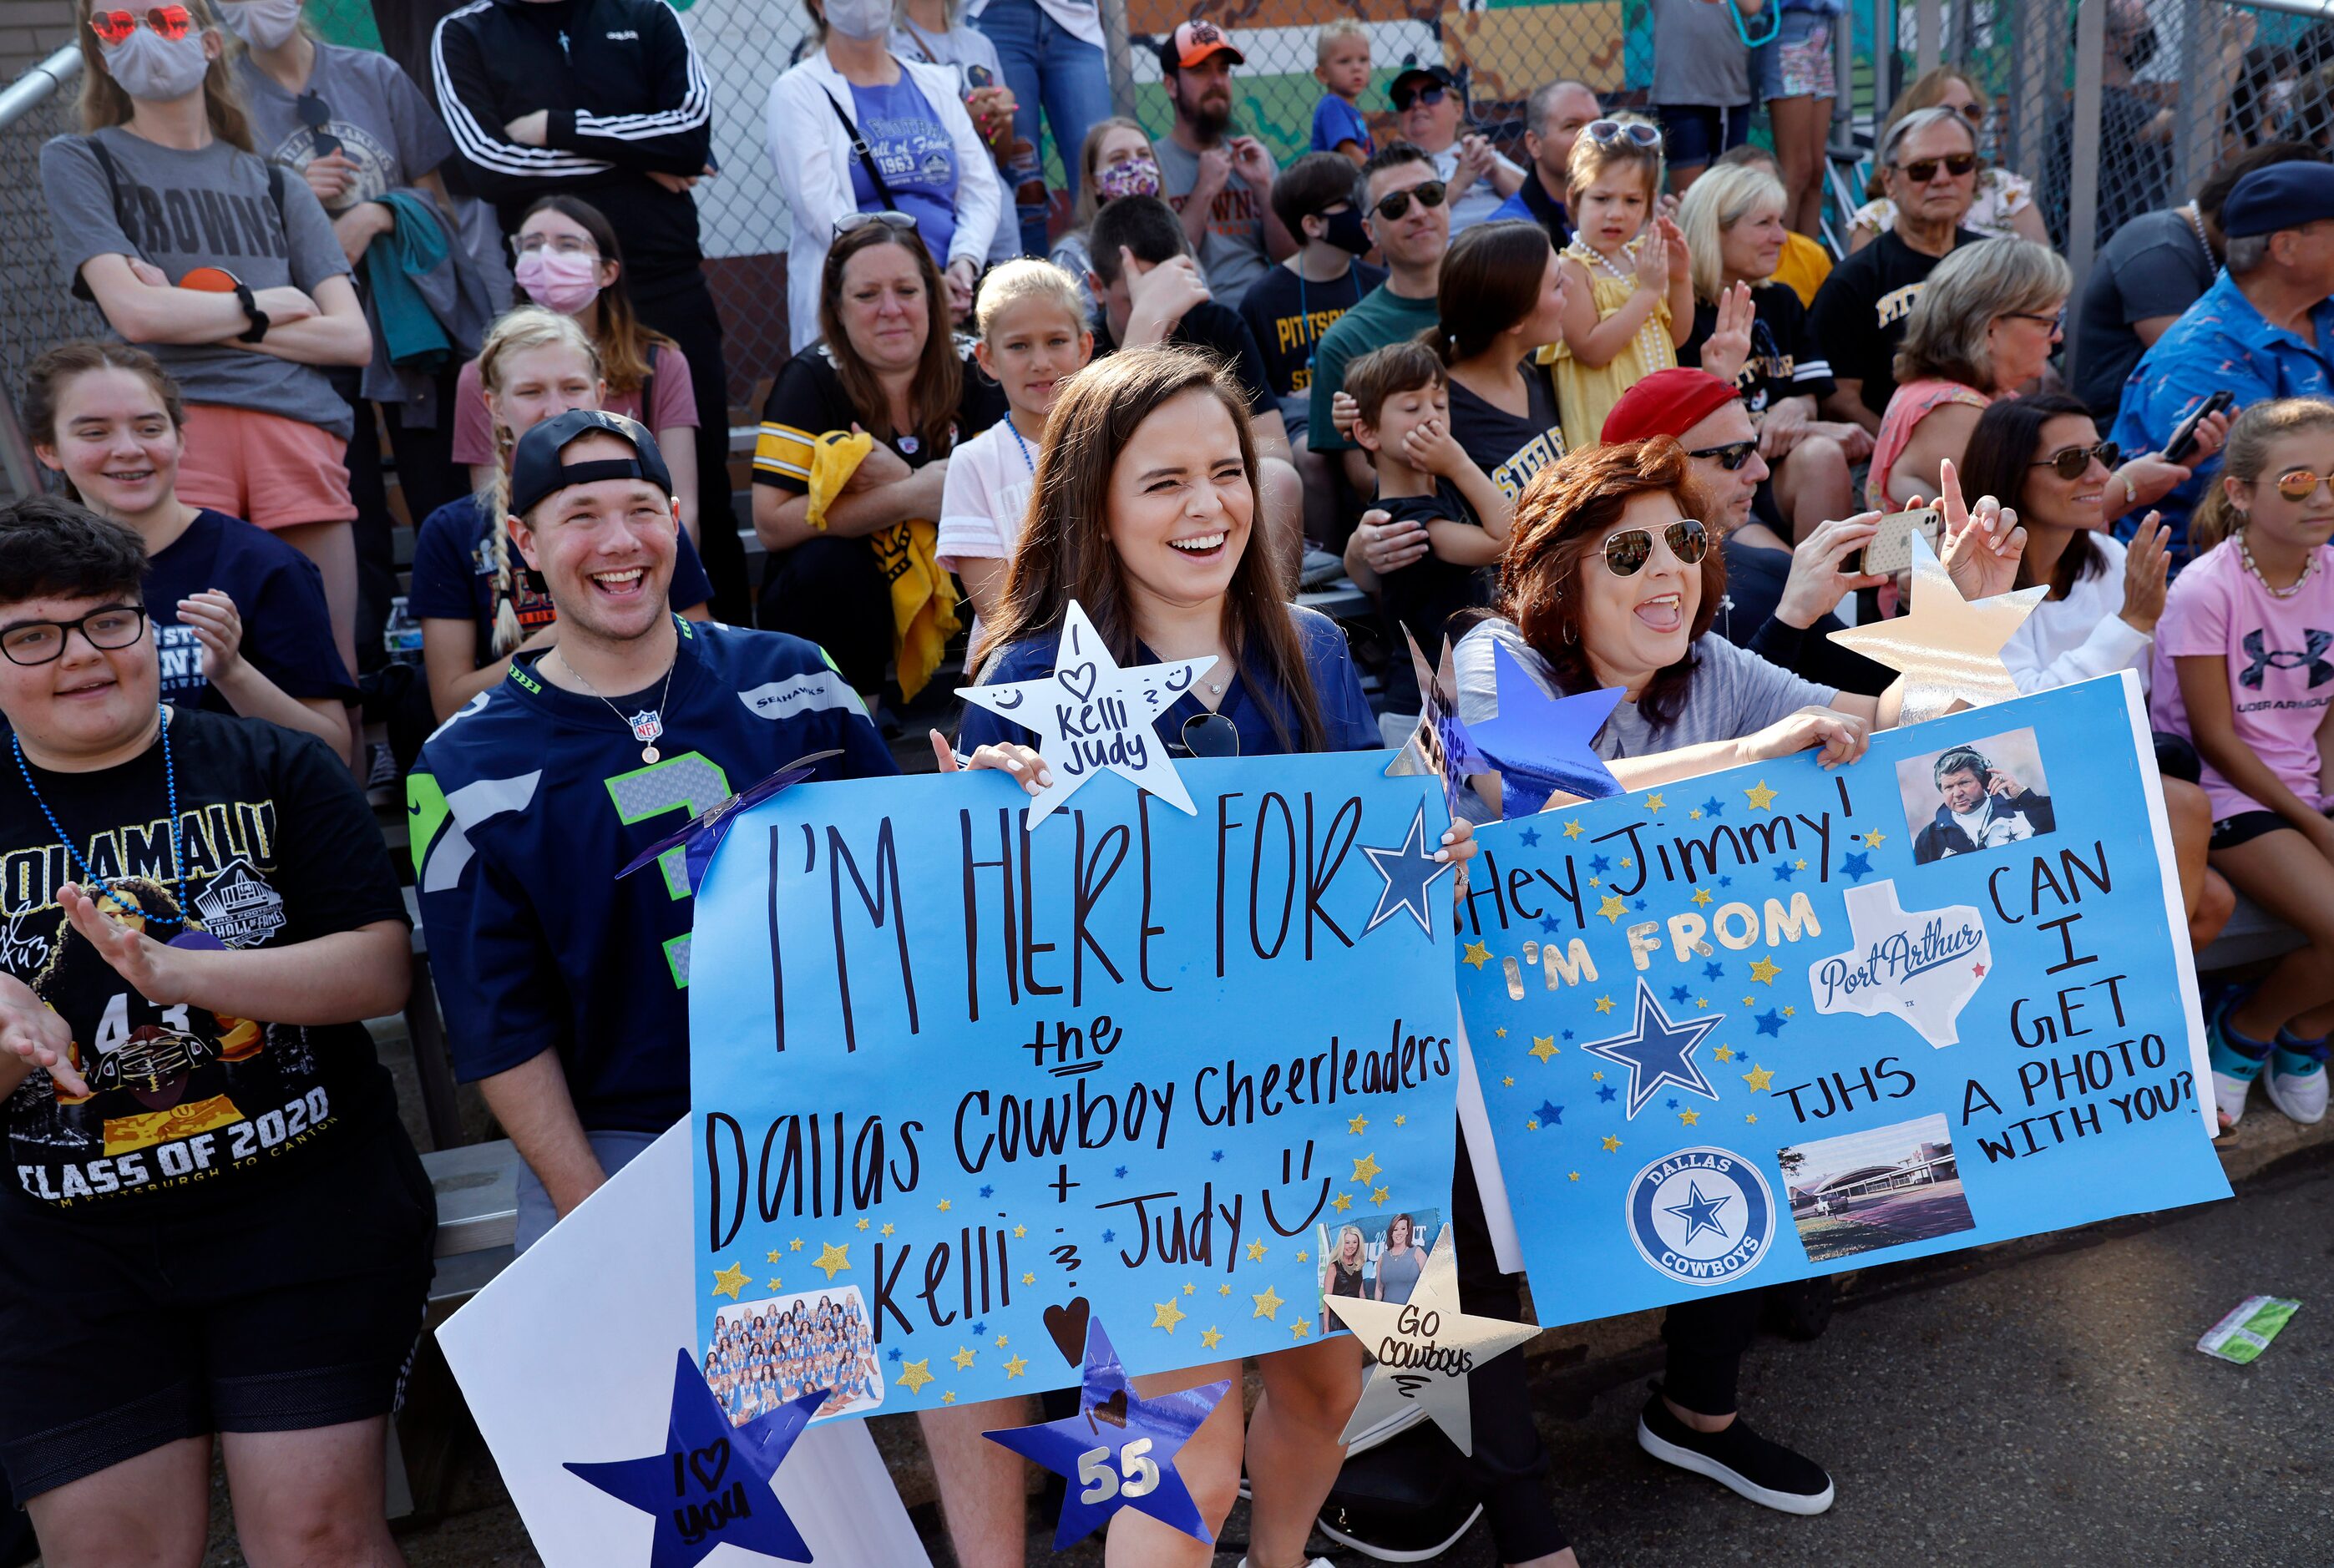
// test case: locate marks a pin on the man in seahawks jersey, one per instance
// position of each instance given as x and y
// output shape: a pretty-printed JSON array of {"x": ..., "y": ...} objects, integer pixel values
[{"x": 564, "y": 989}]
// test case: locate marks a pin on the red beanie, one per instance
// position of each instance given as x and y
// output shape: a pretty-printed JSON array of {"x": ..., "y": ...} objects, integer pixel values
[{"x": 1666, "y": 403}]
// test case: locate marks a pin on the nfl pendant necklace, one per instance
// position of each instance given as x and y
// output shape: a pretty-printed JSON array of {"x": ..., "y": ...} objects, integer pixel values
[{"x": 646, "y": 725}]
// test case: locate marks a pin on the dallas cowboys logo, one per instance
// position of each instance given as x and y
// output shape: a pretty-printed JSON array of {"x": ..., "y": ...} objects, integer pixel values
[
  {"x": 2265, "y": 659},
  {"x": 1699, "y": 1212},
  {"x": 1658, "y": 1052},
  {"x": 1703, "y": 1217}
]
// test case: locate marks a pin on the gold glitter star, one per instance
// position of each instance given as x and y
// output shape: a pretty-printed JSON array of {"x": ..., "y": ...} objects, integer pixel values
[
  {"x": 1724, "y": 1053},
  {"x": 1342, "y": 1202},
  {"x": 1188, "y": 1289},
  {"x": 1378, "y": 1196},
  {"x": 1210, "y": 1337},
  {"x": 1019, "y": 1231},
  {"x": 944, "y": 1206},
  {"x": 775, "y": 1283},
  {"x": 1625, "y": 860},
  {"x": 1017, "y": 1366},
  {"x": 888, "y": 1229},
  {"x": 795, "y": 1245},
  {"x": 1357, "y": 1126},
  {"x": 1874, "y": 839},
  {"x": 963, "y": 1358},
  {"x": 1759, "y": 1077},
  {"x": 1592, "y": 881},
  {"x": 1366, "y": 1169},
  {"x": 1689, "y": 1117},
  {"x": 729, "y": 1281},
  {"x": 1791, "y": 1012},
  {"x": 1501, "y": 1031},
  {"x": 1401, "y": 1121},
  {"x": 916, "y": 1374},
  {"x": 1572, "y": 830},
  {"x": 1002, "y": 1342},
  {"x": 835, "y": 1259},
  {"x": 1575, "y": 1175},
  {"x": 1701, "y": 897},
  {"x": 1612, "y": 909},
  {"x": 949, "y": 1398},
  {"x": 1477, "y": 954},
  {"x": 1166, "y": 1314},
  {"x": 1701, "y": 1001},
  {"x": 1532, "y": 1125},
  {"x": 774, "y": 1256},
  {"x": 1747, "y": 1001},
  {"x": 1269, "y": 1305},
  {"x": 1028, "y": 1279},
  {"x": 1603, "y": 1003},
  {"x": 1255, "y": 1251},
  {"x": 1224, "y": 1290},
  {"x": 1652, "y": 803},
  {"x": 1598, "y": 1075},
  {"x": 1764, "y": 969},
  {"x": 1611, "y": 1143},
  {"x": 1695, "y": 814},
  {"x": 1543, "y": 1047},
  {"x": 1762, "y": 799},
  {"x": 1300, "y": 1329},
  {"x": 1509, "y": 1082},
  {"x": 1750, "y": 1116},
  {"x": 1303, "y": 1257},
  {"x": 1799, "y": 865},
  {"x": 863, "y": 1222}
]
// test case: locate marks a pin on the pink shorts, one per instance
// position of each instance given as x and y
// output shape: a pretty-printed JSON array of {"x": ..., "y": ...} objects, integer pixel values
[{"x": 276, "y": 472}]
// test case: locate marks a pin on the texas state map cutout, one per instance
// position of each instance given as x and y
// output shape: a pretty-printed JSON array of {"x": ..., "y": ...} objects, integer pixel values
[{"x": 1921, "y": 966}]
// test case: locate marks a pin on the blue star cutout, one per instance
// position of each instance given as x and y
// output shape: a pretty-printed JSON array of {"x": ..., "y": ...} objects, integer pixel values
[
  {"x": 1640, "y": 903},
  {"x": 1108, "y": 1237},
  {"x": 1771, "y": 1023},
  {"x": 1599, "y": 865},
  {"x": 1529, "y": 837},
  {"x": 1699, "y": 1213},
  {"x": 713, "y": 1474},
  {"x": 1120, "y": 1173},
  {"x": 1856, "y": 866},
  {"x": 895, "y": 1352},
  {"x": 1217, "y": 1156},
  {"x": 1542, "y": 743},
  {"x": 980, "y": 1328},
  {"x": 1550, "y": 924},
  {"x": 1161, "y": 1426},
  {"x": 1657, "y": 1051},
  {"x": 1782, "y": 871},
  {"x": 1551, "y": 1115},
  {"x": 1671, "y": 1103},
  {"x": 1714, "y": 970},
  {"x": 1605, "y": 1091},
  {"x": 1567, "y": 1033},
  {"x": 1409, "y": 868},
  {"x": 987, "y": 1190},
  {"x": 1681, "y": 993},
  {"x": 1714, "y": 807},
  {"x": 1726, "y": 882}
]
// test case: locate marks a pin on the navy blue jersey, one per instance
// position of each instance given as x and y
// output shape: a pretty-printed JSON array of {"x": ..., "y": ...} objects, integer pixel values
[
  {"x": 526, "y": 804},
  {"x": 287, "y": 631},
  {"x": 1345, "y": 718},
  {"x": 454, "y": 576}
]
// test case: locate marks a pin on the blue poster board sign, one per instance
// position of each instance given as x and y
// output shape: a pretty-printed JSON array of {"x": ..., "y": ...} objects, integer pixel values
[
  {"x": 1777, "y": 1021},
  {"x": 958, "y": 1084}
]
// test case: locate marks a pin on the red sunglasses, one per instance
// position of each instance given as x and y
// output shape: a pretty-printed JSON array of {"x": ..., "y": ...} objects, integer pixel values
[{"x": 113, "y": 28}]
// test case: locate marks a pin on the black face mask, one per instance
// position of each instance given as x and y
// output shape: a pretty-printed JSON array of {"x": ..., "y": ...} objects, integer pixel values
[
  {"x": 1346, "y": 230},
  {"x": 2142, "y": 48}
]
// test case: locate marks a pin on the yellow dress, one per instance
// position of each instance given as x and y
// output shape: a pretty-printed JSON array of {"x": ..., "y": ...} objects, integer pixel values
[{"x": 1583, "y": 396}]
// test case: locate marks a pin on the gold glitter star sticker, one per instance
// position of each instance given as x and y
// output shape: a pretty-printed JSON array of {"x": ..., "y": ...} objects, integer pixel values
[
  {"x": 1543, "y": 1047},
  {"x": 1366, "y": 1168},
  {"x": 1210, "y": 1337},
  {"x": 1016, "y": 1367},
  {"x": 795, "y": 1245},
  {"x": 1401, "y": 1121},
  {"x": 774, "y": 1255},
  {"x": 1612, "y": 909},
  {"x": 949, "y": 1398},
  {"x": 1799, "y": 865},
  {"x": 1575, "y": 1175},
  {"x": 1603, "y": 1003},
  {"x": 1874, "y": 839},
  {"x": 1509, "y": 1082},
  {"x": 1002, "y": 1342},
  {"x": 1750, "y": 1116},
  {"x": 775, "y": 1283},
  {"x": 1759, "y": 1077},
  {"x": 1695, "y": 814},
  {"x": 1342, "y": 1202},
  {"x": 1689, "y": 1117},
  {"x": 916, "y": 1374},
  {"x": 1791, "y": 1012},
  {"x": 1269, "y": 1305},
  {"x": 1378, "y": 1196},
  {"x": 944, "y": 1206},
  {"x": 835, "y": 1259},
  {"x": 888, "y": 1229},
  {"x": 863, "y": 1222},
  {"x": 1724, "y": 1053},
  {"x": 1598, "y": 1075},
  {"x": 1303, "y": 1256},
  {"x": 1477, "y": 954},
  {"x": 1019, "y": 1231},
  {"x": 963, "y": 1358},
  {"x": 1652, "y": 803},
  {"x": 1762, "y": 799},
  {"x": 1701, "y": 897},
  {"x": 1572, "y": 830},
  {"x": 1028, "y": 1279},
  {"x": 1224, "y": 1290},
  {"x": 1358, "y": 1125},
  {"x": 1188, "y": 1289},
  {"x": 729, "y": 1281},
  {"x": 1166, "y": 1314},
  {"x": 1300, "y": 1329},
  {"x": 1701, "y": 1001},
  {"x": 1611, "y": 1143},
  {"x": 1625, "y": 860},
  {"x": 1255, "y": 1251},
  {"x": 1764, "y": 969},
  {"x": 1532, "y": 1124}
]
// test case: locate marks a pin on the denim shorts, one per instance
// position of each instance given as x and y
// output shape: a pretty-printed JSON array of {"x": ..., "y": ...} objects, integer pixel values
[{"x": 1797, "y": 63}]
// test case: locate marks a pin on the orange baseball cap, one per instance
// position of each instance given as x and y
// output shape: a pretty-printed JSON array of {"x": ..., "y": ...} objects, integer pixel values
[{"x": 1194, "y": 41}]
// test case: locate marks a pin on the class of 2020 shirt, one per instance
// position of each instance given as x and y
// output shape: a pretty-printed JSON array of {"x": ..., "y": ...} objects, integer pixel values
[{"x": 188, "y": 1107}]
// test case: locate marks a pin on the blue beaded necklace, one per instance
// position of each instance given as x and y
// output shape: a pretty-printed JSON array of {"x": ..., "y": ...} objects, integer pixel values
[
  {"x": 1028, "y": 461},
  {"x": 97, "y": 884}
]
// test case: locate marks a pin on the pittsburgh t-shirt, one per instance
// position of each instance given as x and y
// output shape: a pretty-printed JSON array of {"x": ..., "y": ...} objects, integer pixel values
[
  {"x": 287, "y": 631},
  {"x": 1860, "y": 311},
  {"x": 1786, "y": 360},
  {"x": 1287, "y": 315},
  {"x": 809, "y": 399},
  {"x": 1425, "y": 594},
  {"x": 188, "y": 1107},
  {"x": 1510, "y": 449}
]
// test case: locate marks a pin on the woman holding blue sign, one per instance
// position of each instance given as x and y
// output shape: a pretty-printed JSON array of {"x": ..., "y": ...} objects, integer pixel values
[{"x": 1144, "y": 513}]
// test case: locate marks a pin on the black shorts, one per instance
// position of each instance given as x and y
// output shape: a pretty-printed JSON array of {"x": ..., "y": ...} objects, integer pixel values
[
  {"x": 2244, "y": 828},
  {"x": 295, "y": 1307}
]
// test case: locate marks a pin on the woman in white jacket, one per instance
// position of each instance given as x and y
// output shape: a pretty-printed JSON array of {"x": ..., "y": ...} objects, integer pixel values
[
  {"x": 2043, "y": 456},
  {"x": 855, "y": 128}
]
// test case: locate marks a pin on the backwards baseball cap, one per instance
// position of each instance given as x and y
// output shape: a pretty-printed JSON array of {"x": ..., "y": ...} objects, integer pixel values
[
  {"x": 538, "y": 470},
  {"x": 2283, "y": 196},
  {"x": 1666, "y": 403},
  {"x": 1194, "y": 41}
]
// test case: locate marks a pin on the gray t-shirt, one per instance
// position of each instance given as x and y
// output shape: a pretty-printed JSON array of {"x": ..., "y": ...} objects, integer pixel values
[
  {"x": 1698, "y": 56},
  {"x": 966, "y": 52},
  {"x": 2154, "y": 267},
  {"x": 1231, "y": 254},
  {"x": 183, "y": 210},
  {"x": 389, "y": 131},
  {"x": 1733, "y": 692}
]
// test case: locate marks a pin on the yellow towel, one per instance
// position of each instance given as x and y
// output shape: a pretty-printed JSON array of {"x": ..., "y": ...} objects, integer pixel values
[{"x": 924, "y": 597}]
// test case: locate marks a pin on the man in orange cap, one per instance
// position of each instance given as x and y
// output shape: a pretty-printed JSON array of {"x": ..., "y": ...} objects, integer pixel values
[{"x": 1221, "y": 184}]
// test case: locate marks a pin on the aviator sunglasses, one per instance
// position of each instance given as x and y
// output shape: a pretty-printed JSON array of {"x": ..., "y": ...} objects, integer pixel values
[
  {"x": 1626, "y": 551},
  {"x": 1604, "y": 132},
  {"x": 2074, "y": 462}
]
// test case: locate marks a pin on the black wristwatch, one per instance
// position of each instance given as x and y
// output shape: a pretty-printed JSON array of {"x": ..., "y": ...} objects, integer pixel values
[{"x": 258, "y": 328}]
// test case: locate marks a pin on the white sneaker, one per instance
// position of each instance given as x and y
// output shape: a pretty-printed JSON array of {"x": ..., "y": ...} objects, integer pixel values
[
  {"x": 2301, "y": 1095},
  {"x": 2228, "y": 1098}
]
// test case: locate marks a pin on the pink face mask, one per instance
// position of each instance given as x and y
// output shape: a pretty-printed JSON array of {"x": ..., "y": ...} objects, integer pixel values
[{"x": 559, "y": 280}]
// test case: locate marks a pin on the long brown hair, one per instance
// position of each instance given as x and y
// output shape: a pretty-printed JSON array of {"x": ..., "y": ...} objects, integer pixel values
[
  {"x": 104, "y": 103},
  {"x": 1561, "y": 521},
  {"x": 63, "y": 364},
  {"x": 1490, "y": 280},
  {"x": 2245, "y": 458},
  {"x": 624, "y": 340},
  {"x": 939, "y": 376},
  {"x": 1065, "y": 552},
  {"x": 2000, "y": 461}
]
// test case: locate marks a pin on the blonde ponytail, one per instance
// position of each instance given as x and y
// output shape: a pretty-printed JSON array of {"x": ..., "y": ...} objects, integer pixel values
[
  {"x": 527, "y": 327},
  {"x": 496, "y": 498}
]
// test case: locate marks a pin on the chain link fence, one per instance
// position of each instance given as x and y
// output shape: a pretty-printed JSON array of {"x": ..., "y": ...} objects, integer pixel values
[{"x": 2132, "y": 101}]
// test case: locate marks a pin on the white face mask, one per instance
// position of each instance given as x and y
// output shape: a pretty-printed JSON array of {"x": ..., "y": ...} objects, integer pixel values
[
  {"x": 861, "y": 19},
  {"x": 261, "y": 24},
  {"x": 155, "y": 69}
]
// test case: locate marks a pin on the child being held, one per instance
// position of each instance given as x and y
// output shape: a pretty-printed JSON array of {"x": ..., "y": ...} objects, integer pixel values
[
  {"x": 1628, "y": 277},
  {"x": 1342, "y": 66},
  {"x": 1402, "y": 397}
]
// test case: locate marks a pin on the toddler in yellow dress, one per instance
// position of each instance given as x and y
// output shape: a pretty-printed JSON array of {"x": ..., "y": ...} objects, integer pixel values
[{"x": 1628, "y": 297}]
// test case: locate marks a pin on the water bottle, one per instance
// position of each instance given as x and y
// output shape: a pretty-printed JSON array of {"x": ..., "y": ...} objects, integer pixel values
[{"x": 401, "y": 634}]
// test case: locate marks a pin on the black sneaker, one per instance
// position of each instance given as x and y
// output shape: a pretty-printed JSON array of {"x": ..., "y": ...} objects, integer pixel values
[{"x": 1737, "y": 1458}]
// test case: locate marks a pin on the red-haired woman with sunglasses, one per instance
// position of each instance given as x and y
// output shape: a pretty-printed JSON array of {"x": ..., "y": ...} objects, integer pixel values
[{"x": 227, "y": 271}]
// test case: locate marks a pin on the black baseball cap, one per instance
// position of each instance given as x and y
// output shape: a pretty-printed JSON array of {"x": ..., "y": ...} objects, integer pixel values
[
  {"x": 1416, "y": 76},
  {"x": 538, "y": 469}
]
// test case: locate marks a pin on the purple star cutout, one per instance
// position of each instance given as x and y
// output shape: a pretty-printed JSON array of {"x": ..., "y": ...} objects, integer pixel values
[
  {"x": 1542, "y": 743},
  {"x": 1658, "y": 1050},
  {"x": 703, "y": 834},
  {"x": 711, "y": 1482},
  {"x": 1119, "y": 1450}
]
